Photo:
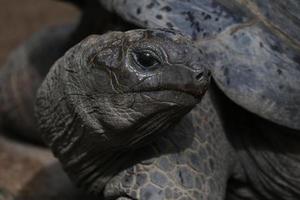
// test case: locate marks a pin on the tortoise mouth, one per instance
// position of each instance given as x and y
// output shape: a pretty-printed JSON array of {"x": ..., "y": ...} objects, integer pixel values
[
  {"x": 173, "y": 94},
  {"x": 197, "y": 94}
]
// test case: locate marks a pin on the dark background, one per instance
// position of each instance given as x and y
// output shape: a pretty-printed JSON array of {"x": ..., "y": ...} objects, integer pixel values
[
  {"x": 23, "y": 167},
  {"x": 20, "y": 18}
]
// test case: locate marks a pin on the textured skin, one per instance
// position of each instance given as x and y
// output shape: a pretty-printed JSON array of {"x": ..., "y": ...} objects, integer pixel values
[
  {"x": 192, "y": 161},
  {"x": 23, "y": 74},
  {"x": 253, "y": 44},
  {"x": 93, "y": 123}
]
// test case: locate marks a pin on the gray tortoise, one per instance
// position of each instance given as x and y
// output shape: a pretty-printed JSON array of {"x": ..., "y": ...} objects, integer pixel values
[
  {"x": 33, "y": 61},
  {"x": 186, "y": 56},
  {"x": 136, "y": 85},
  {"x": 254, "y": 50},
  {"x": 208, "y": 146}
]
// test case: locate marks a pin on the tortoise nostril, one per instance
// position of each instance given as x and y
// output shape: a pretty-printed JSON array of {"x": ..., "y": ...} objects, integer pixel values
[{"x": 199, "y": 76}]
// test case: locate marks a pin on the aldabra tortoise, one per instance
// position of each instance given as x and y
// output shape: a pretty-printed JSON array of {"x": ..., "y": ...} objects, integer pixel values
[
  {"x": 233, "y": 47},
  {"x": 254, "y": 48},
  {"x": 112, "y": 94},
  {"x": 24, "y": 72},
  {"x": 189, "y": 70}
]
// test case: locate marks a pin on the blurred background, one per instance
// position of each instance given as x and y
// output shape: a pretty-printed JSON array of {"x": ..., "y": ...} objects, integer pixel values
[
  {"x": 20, "y": 18},
  {"x": 22, "y": 168}
]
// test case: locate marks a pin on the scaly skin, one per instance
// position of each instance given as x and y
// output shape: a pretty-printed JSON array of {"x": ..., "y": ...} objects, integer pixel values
[
  {"x": 191, "y": 161},
  {"x": 136, "y": 85},
  {"x": 260, "y": 158}
]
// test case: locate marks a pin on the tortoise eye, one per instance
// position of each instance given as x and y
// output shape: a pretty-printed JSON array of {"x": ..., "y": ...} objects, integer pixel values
[{"x": 146, "y": 59}]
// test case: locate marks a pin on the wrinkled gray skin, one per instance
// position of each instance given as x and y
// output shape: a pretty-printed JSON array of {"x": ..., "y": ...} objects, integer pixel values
[
  {"x": 255, "y": 47},
  {"x": 136, "y": 85}
]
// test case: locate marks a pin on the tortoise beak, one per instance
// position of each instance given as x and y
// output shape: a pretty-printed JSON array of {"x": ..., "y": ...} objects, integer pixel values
[{"x": 196, "y": 84}]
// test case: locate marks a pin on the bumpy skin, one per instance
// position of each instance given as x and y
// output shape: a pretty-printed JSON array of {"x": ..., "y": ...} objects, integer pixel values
[
  {"x": 112, "y": 93},
  {"x": 254, "y": 46},
  {"x": 22, "y": 75},
  {"x": 191, "y": 161}
]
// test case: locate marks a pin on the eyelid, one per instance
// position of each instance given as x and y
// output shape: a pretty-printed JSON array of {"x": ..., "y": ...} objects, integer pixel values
[
  {"x": 155, "y": 49},
  {"x": 151, "y": 52}
]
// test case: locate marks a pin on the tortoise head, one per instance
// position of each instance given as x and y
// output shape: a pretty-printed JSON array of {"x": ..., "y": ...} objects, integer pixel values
[{"x": 110, "y": 92}]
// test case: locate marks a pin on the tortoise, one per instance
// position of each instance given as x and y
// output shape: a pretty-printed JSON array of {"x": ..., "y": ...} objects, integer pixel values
[
  {"x": 42, "y": 47},
  {"x": 183, "y": 58},
  {"x": 94, "y": 125},
  {"x": 254, "y": 50},
  {"x": 234, "y": 35}
]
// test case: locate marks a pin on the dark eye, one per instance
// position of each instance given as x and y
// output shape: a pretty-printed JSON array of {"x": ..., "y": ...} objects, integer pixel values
[{"x": 146, "y": 59}]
